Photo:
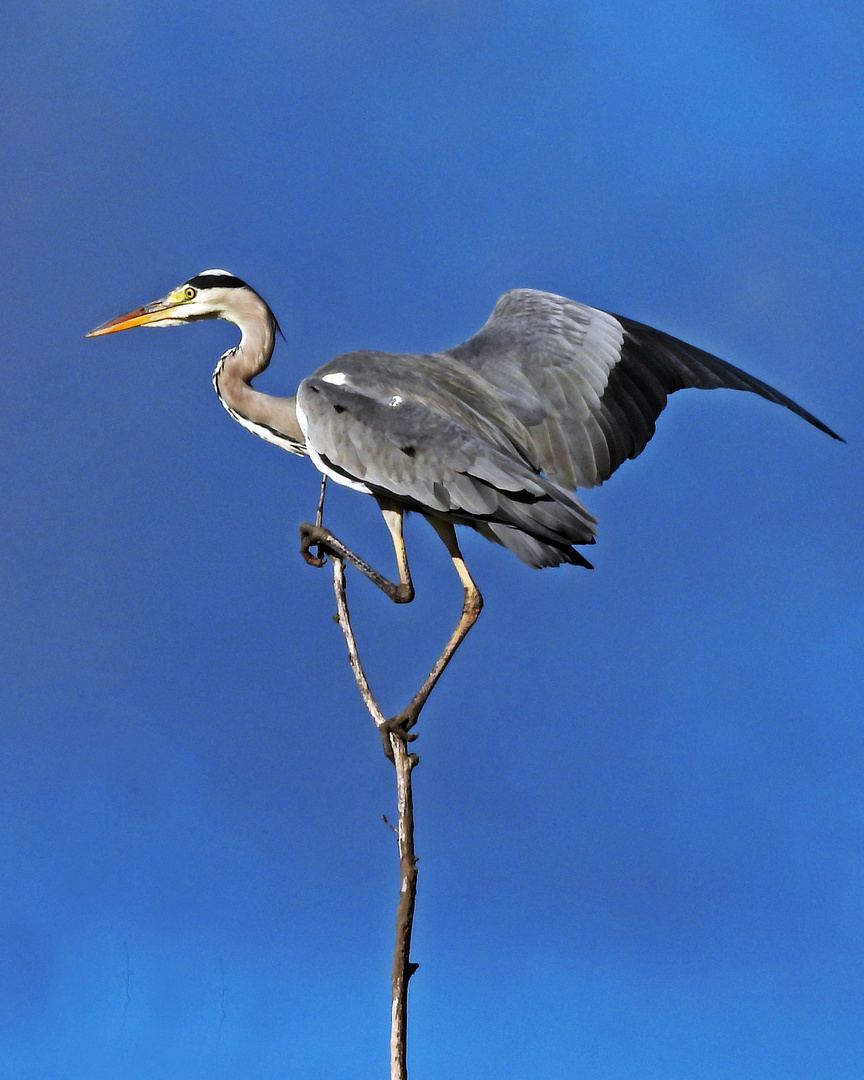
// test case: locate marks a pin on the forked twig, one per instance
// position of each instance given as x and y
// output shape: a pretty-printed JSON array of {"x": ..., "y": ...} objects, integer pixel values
[
  {"x": 404, "y": 763},
  {"x": 395, "y": 733},
  {"x": 305, "y": 550}
]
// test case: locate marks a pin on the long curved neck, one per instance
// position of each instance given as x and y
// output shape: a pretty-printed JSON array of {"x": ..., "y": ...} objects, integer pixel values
[{"x": 272, "y": 418}]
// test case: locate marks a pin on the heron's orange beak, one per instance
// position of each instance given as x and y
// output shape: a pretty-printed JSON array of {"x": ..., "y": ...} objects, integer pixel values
[{"x": 150, "y": 313}]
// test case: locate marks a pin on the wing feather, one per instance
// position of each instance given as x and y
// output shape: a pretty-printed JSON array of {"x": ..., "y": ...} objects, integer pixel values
[
  {"x": 588, "y": 385},
  {"x": 419, "y": 452}
]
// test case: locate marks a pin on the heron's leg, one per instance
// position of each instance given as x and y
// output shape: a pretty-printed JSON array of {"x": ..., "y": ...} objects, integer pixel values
[
  {"x": 472, "y": 605},
  {"x": 394, "y": 516},
  {"x": 324, "y": 540}
]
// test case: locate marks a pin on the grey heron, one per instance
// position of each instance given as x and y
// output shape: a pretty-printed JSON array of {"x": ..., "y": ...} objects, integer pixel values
[{"x": 549, "y": 396}]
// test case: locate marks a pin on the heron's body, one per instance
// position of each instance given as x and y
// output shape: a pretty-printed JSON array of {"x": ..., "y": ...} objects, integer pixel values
[
  {"x": 496, "y": 433},
  {"x": 451, "y": 450}
]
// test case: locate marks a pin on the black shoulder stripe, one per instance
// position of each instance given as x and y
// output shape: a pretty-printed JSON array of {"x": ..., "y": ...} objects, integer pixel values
[{"x": 338, "y": 469}]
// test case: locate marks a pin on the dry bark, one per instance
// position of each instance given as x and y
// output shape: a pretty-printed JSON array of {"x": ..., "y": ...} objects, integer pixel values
[{"x": 404, "y": 763}]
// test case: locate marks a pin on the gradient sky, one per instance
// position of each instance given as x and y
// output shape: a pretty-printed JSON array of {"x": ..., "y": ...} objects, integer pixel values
[{"x": 639, "y": 804}]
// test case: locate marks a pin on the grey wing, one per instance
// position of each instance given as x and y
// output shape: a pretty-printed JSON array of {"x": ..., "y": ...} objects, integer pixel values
[
  {"x": 589, "y": 385},
  {"x": 397, "y": 446}
]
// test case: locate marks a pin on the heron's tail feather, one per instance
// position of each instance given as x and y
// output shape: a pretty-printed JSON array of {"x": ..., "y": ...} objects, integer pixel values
[{"x": 534, "y": 552}]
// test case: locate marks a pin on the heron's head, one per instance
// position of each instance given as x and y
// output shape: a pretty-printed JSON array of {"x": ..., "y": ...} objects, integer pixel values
[{"x": 212, "y": 294}]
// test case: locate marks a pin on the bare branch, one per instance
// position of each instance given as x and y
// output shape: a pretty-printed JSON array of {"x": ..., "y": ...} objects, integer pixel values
[
  {"x": 394, "y": 732},
  {"x": 404, "y": 763},
  {"x": 307, "y": 540},
  {"x": 403, "y": 967},
  {"x": 348, "y": 632}
]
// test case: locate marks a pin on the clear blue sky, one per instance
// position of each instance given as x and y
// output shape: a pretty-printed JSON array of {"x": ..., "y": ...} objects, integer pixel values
[{"x": 640, "y": 794}]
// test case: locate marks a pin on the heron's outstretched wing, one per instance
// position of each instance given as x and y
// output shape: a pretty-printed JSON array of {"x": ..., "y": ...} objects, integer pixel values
[{"x": 587, "y": 385}]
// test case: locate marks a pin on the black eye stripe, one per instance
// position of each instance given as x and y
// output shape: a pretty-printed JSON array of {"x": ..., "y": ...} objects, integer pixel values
[{"x": 216, "y": 281}]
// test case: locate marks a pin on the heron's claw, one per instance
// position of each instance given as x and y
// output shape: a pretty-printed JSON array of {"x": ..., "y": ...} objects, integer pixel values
[
  {"x": 313, "y": 535},
  {"x": 400, "y": 726}
]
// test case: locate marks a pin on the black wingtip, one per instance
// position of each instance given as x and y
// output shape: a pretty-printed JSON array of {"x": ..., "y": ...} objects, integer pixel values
[
  {"x": 781, "y": 399},
  {"x": 811, "y": 419}
]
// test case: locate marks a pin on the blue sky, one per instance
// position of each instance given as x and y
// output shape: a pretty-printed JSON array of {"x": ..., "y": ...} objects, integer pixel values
[{"x": 639, "y": 800}]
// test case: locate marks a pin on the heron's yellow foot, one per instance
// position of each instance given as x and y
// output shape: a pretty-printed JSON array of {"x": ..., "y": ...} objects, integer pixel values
[{"x": 328, "y": 544}]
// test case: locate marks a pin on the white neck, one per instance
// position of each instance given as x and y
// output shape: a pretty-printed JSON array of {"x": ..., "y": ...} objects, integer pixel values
[{"x": 272, "y": 418}]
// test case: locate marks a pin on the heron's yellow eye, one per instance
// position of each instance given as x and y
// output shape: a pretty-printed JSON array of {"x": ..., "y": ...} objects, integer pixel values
[{"x": 189, "y": 292}]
